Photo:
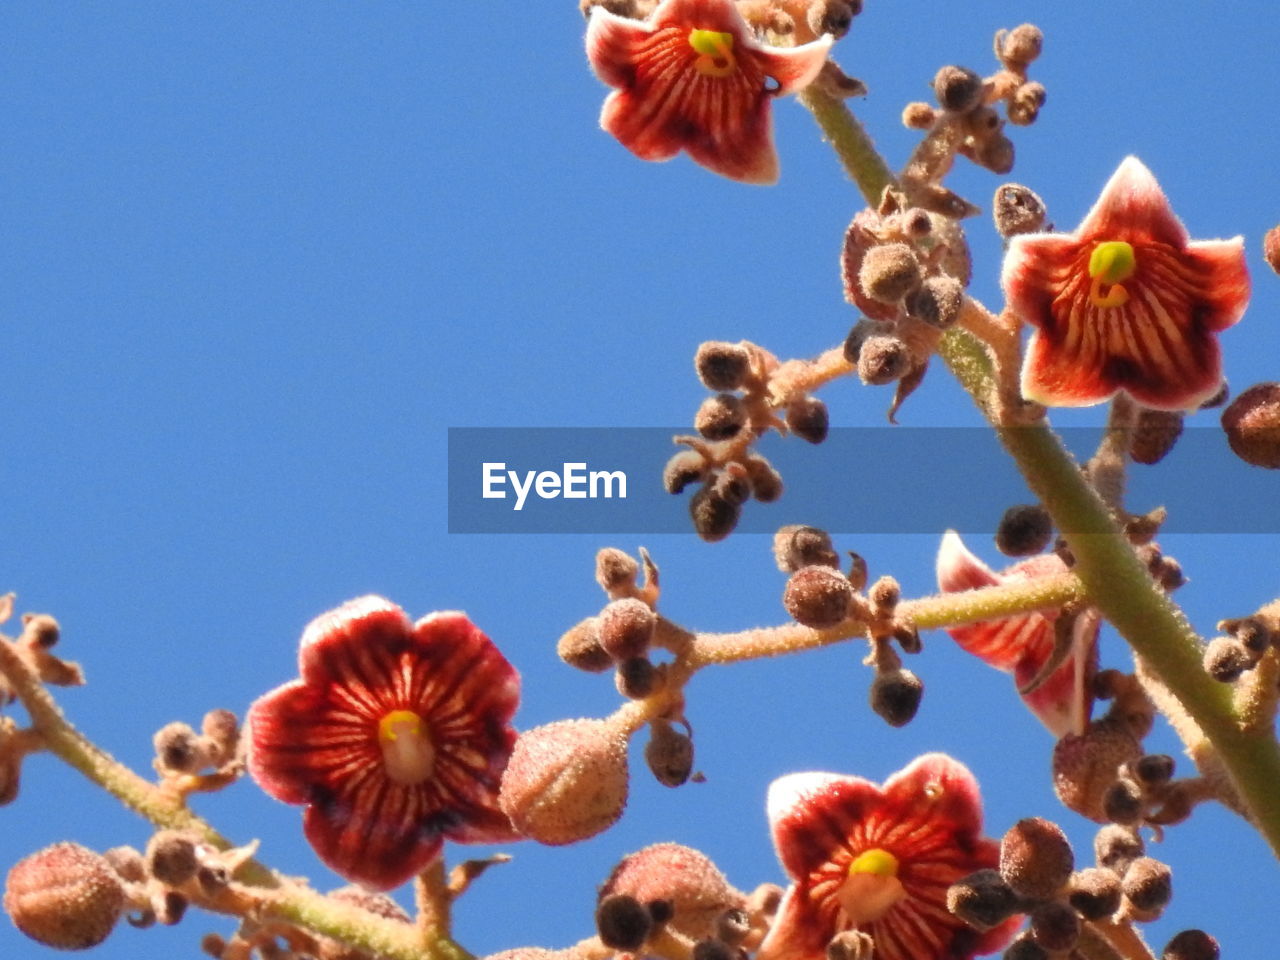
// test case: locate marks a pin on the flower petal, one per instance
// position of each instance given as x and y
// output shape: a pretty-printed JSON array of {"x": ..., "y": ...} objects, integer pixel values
[
  {"x": 1133, "y": 207},
  {"x": 797, "y": 932},
  {"x": 352, "y": 638},
  {"x": 811, "y": 815},
  {"x": 794, "y": 68},
  {"x": 613, "y": 45},
  {"x": 999, "y": 643}
]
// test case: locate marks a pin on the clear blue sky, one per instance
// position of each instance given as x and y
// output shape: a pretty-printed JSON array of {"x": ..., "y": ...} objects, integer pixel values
[{"x": 257, "y": 258}]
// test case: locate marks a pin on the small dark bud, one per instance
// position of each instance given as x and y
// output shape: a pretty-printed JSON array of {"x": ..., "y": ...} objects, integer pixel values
[
  {"x": 1252, "y": 423},
  {"x": 889, "y": 272},
  {"x": 833, "y": 17},
  {"x": 637, "y": 678},
  {"x": 1035, "y": 858},
  {"x": 713, "y": 516},
  {"x": 1021, "y": 45},
  {"x": 896, "y": 695},
  {"x": 799, "y": 546},
  {"x": 1225, "y": 658},
  {"x": 958, "y": 89},
  {"x": 171, "y": 858},
  {"x": 996, "y": 153},
  {"x": 1116, "y": 847},
  {"x": 860, "y": 331},
  {"x": 918, "y": 116},
  {"x": 732, "y": 926},
  {"x": 626, "y": 628},
  {"x": 1095, "y": 893},
  {"x": 1123, "y": 803},
  {"x": 615, "y": 570},
  {"x": 1025, "y": 948},
  {"x": 40, "y": 630},
  {"x": 720, "y": 417},
  {"x": 766, "y": 482},
  {"x": 669, "y": 754},
  {"x": 580, "y": 647},
  {"x": 1191, "y": 945},
  {"x": 710, "y": 949},
  {"x": 622, "y": 922},
  {"x": 180, "y": 749},
  {"x": 661, "y": 911},
  {"x": 982, "y": 900},
  {"x": 883, "y": 359},
  {"x": 851, "y": 945},
  {"x": 885, "y": 593},
  {"x": 1154, "y": 435},
  {"x": 808, "y": 419},
  {"x": 936, "y": 302},
  {"x": 1055, "y": 926},
  {"x": 818, "y": 597},
  {"x": 223, "y": 729},
  {"x": 1148, "y": 884},
  {"x": 1025, "y": 104},
  {"x": 1154, "y": 769},
  {"x": 722, "y": 366},
  {"x": 686, "y": 467},
  {"x": 1018, "y": 209},
  {"x": 1024, "y": 529}
]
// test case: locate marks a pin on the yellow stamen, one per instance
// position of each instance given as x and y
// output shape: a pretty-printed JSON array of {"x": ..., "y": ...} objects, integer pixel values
[
  {"x": 882, "y": 863},
  {"x": 1111, "y": 262},
  {"x": 407, "y": 753},
  {"x": 872, "y": 886},
  {"x": 715, "y": 51}
]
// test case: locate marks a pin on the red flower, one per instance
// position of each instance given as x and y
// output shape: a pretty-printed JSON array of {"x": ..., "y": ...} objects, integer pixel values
[
  {"x": 395, "y": 737},
  {"x": 1127, "y": 302},
  {"x": 880, "y": 859},
  {"x": 694, "y": 77},
  {"x": 1023, "y": 645}
]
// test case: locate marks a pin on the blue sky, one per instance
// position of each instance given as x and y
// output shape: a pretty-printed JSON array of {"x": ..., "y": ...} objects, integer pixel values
[{"x": 257, "y": 260}]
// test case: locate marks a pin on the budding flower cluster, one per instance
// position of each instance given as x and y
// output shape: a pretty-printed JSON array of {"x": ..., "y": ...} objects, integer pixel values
[{"x": 1247, "y": 640}]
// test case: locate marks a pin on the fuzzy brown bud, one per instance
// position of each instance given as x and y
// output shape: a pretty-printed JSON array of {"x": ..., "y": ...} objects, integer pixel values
[
  {"x": 1095, "y": 893},
  {"x": 1154, "y": 435},
  {"x": 895, "y": 696},
  {"x": 731, "y": 485},
  {"x": 566, "y": 781},
  {"x": 1148, "y": 884},
  {"x": 766, "y": 482},
  {"x": 1252, "y": 423},
  {"x": 1023, "y": 530},
  {"x": 171, "y": 858},
  {"x": 851, "y": 945},
  {"x": 181, "y": 750},
  {"x": 1154, "y": 769},
  {"x": 958, "y": 89},
  {"x": 799, "y": 546},
  {"x": 1226, "y": 658},
  {"x": 722, "y": 366},
  {"x": 669, "y": 754},
  {"x": 636, "y": 678},
  {"x": 918, "y": 116},
  {"x": 808, "y": 419},
  {"x": 128, "y": 863},
  {"x": 616, "y": 570},
  {"x": 982, "y": 900},
  {"x": 818, "y": 597},
  {"x": 580, "y": 647},
  {"x": 885, "y": 594},
  {"x": 623, "y": 922},
  {"x": 1021, "y": 45},
  {"x": 65, "y": 896},
  {"x": 40, "y": 630},
  {"x": 1035, "y": 858},
  {"x": 1085, "y": 765},
  {"x": 732, "y": 926},
  {"x": 697, "y": 890},
  {"x": 995, "y": 153},
  {"x": 883, "y": 359},
  {"x": 889, "y": 272},
  {"x": 720, "y": 417},
  {"x": 936, "y": 302},
  {"x": 832, "y": 16},
  {"x": 684, "y": 468},
  {"x": 1191, "y": 945},
  {"x": 1055, "y": 926},
  {"x": 1123, "y": 803},
  {"x": 1025, "y": 948},
  {"x": 223, "y": 730},
  {"x": 713, "y": 949},
  {"x": 1116, "y": 847},
  {"x": 626, "y": 628},
  {"x": 1018, "y": 209},
  {"x": 713, "y": 516},
  {"x": 1025, "y": 104}
]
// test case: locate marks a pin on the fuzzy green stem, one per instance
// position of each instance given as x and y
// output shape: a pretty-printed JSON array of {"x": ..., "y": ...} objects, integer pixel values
[{"x": 850, "y": 141}]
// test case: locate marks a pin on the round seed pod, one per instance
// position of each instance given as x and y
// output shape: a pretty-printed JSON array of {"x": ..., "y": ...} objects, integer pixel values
[
  {"x": 1095, "y": 893},
  {"x": 1035, "y": 858},
  {"x": 1148, "y": 884},
  {"x": 720, "y": 417},
  {"x": 982, "y": 900},
  {"x": 1155, "y": 769},
  {"x": 65, "y": 896},
  {"x": 889, "y": 272},
  {"x": 766, "y": 482},
  {"x": 832, "y": 16},
  {"x": 626, "y": 628},
  {"x": 918, "y": 116},
  {"x": 171, "y": 858},
  {"x": 957, "y": 89},
  {"x": 713, "y": 516},
  {"x": 1021, "y": 45},
  {"x": 669, "y": 754},
  {"x": 1191, "y": 945},
  {"x": 623, "y": 922},
  {"x": 937, "y": 302},
  {"x": 1123, "y": 803},
  {"x": 799, "y": 546},
  {"x": 808, "y": 419},
  {"x": 895, "y": 696},
  {"x": 636, "y": 678},
  {"x": 180, "y": 749},
  {"x": 1226, "y": 658},
  {"x": 580, "y": 647},
  {"x": 722, "y": 366},
  {"x": 882, "y": 360},
  {"x": 818, "y": 597},
  {"x": 1023, "y": 530},
  {"x": 1252, "y": 423},
  {"x": 1154, "y": 435}
]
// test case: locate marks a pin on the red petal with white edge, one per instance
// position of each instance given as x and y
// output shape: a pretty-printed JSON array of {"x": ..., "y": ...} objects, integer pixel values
[
  {"x": 363, "y": 622},
  {"x": 1132, "y": 207},
  {"x": 1223, "y": 280},
  {"x": 795, "y": 67},
  {"x": 613, "y": 44},
  {"x": 813, "y": 814},
  {"x": 1000, "y": 643}
]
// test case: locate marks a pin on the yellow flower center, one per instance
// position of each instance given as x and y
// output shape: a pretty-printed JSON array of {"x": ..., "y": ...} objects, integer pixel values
[
  {"x": 715, "y": 50},
  {"x": 1111, "y": 262},
  {"x": 406, "y": 749},
  {"x": 871, "y": 887}
]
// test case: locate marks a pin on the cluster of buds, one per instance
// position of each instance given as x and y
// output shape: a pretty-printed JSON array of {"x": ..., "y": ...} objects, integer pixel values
[
  {"x": 188, "y": 761},
  {"x": 1246, "y": 641},
  {"x": 1037, "y": 877},
  {"x": 671, "y": 900},
  {"x": 40, "y": 632},
  {"x": 820, "y": 596}
]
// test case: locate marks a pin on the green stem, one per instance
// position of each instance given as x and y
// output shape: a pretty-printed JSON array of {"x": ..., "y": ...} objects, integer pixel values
[{"x": 850, "y": 141}]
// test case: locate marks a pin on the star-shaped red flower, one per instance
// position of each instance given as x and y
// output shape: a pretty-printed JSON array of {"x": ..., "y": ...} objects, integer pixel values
[
  {"x": 395, "y": 737},
  {"x": 880, "y": 859},
  {"x": 694, "y": 77},
  {"x": 1023, "y": 645},
  {"x": 1126, "y": 302}
]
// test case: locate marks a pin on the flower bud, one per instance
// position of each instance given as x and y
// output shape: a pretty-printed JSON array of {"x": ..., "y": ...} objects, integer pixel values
[
  {"x": 958, "y": 89},
  {"x": 832, "y": 16},
  {"x": 1148, "y": 884},
  {"x": 127, "y": 863},
  {"x": 566, "y": 781},
  {"x": 851, "y": 945},
  {"x": 1154, "y": 435},
  {"x": 696, "y": 889},
  {"x": 580, "y": 647},
  {"x": 1252, "y": 423},
  {"x": 1025, "y": 948},
  {"x": 766, "y": 482},
  {"x": 1018, "y": 209},
  {"x": 622, "y": 922},
  {"x": 684, "y": 468},
  {"x": 722, "y": 366},
  {"x": 995, "y": 153},
  {"x": 1123, "y": 803},
  {"x": 626, "y": 628},
  {"x": 1025, "y": 104},
  {"x": 936, "y": 302},
  {"x": 1085, "y": 766},
  {"x": 885, "y": 594},
  {"x": 799, "y": 546},
  {"x": 818, "y": 597},
  {"x": 720, "y": 417},
  {"x": 732, "y": 926},
  {"x": 889, "y": 272},
  {"x": 1055, "y": 926},
  {"x": 883, "y": 359},
  {"x": 616, "y": 570},
  {"x": 223, "y": 730},
  {"x": 713, "y": 516},
  {"x": 1021, "y": 45},
  {"x": 171, "y": 858},
  {"x": 39, "y": 630},
  {"x": 1116, "y": 847},
  {"x": 1024, "y": 529},
  {"x": 1035, "y": 858},
  {"x": 181, "y": 750},
  {"x": 982, "y": 900},
  {"x": 1191, "y": 945},
  {"x": 65, "y": 896},
  {"x": 1095, "y": 893},
  {"x": 1225, "y": 658},
  {"x": 918, "y": 116},
  {"x": 896, "y": 695},
  {"x": 636, "y": 678},
  {"x": 669, "y": 754},
  {"x": 1154, "y": 769},
  {"x": 808, "y": 419},
  {"x": 713, "y": 949}
]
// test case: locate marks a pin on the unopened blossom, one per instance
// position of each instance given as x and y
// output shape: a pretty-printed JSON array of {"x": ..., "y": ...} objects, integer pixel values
[
  {"x": 880, "y": 859},
  {"x": 395, "y": 737},
  {"x": 1024, "y": 644},
  {"x": 693, "y": 77},
  {"x": 1125, "y": 303}
]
